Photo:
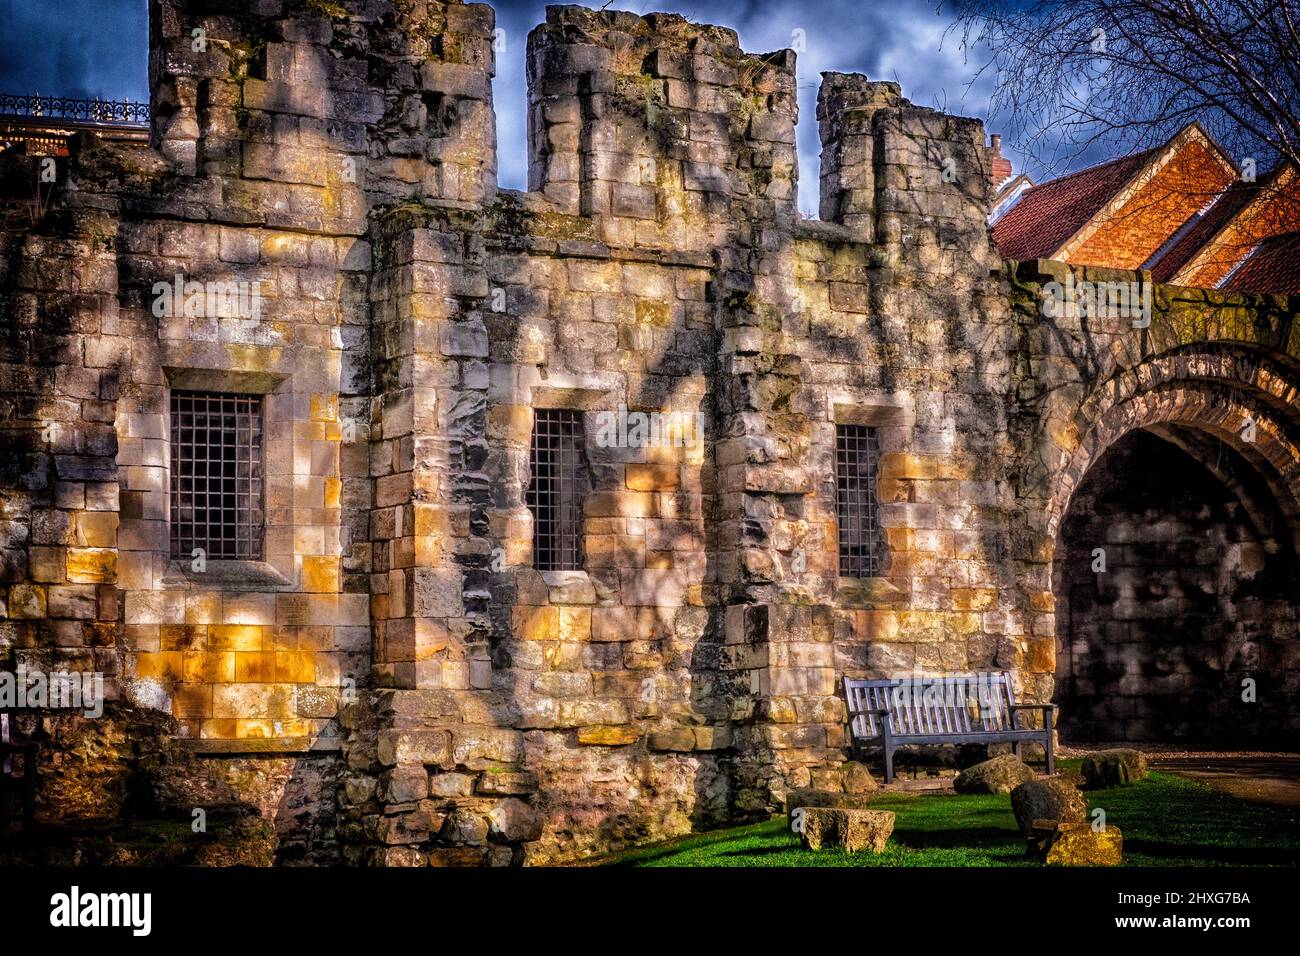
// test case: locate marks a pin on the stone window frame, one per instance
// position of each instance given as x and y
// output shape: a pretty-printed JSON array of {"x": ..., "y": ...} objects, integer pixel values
[
  {"x": 859, "y": 534},
  {"x": 274, "y": 572},
  {"x": 563, "y": 541},
  {"x": 892, "y": 418},
  {"x": 585, "y": 399},
  {"x": 243, "y": 534}
]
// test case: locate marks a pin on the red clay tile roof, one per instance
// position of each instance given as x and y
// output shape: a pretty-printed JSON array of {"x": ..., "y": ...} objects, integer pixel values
[
  {"x": 1230, "y": 202},
  {"x": 1274, "y": 267},
  {"x": 1046, "y": 216}
]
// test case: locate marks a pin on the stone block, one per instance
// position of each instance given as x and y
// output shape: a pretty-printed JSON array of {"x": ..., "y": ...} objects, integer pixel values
[
  {"x": 438, "y": 592},
  {"x": 27, "y": 602},
  {"x": 70, "y": 601},
  {"x": 1113, "y": 768},
  {"x": 465, "y": 826},
  {"x": 427, "y": 747},
  {"x": 1075, "y": 844},
  {"x": 852, "y": 830},
  {"x": 514, "y": 821},
  {"x": 1051, "y": 799},
  {"x": 652, "y": 477},
  {"x": 404, "y": 784},
  {"x": 672, "y": 739},
  {"x": 451, "y": 785},
  {"x": 494, "y": 782},
  {"x": 405, "y": 828},
  {"x": 806, "y": 798},
  {"x": 1001, "y": 774},
  {"x": 857, "y": 779},
  {"x": 96, "y": 529}
]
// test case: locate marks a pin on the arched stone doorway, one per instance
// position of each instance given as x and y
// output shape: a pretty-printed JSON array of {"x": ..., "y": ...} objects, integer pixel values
[
  {"x": 1176, "y": 582},
  {"x": 1183, "y": 477}
]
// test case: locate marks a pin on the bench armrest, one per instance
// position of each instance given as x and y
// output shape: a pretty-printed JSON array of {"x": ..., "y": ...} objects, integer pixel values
[{"x": 1047, "y": 710}]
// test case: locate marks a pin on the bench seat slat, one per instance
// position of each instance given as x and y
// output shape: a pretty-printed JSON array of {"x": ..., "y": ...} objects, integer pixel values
[{"x": 975, "y": 736}]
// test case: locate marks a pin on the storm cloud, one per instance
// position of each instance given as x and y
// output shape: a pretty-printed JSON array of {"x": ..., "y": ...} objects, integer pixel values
[{"x": 75, "y": 48}]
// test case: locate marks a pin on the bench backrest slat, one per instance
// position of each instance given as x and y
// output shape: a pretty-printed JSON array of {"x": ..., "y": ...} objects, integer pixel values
[
  {"x": 981, "y": 699},
  {"x": 931, "y": 701},
  {"x": 998, "y": 692},
  {"x": 963, "y": 712},
  {"x": 858, "y": 698},
  {"x": 960, "y": 715},
  {"x": 954, "y": 692},
  {"x": 901, "y": 704}
]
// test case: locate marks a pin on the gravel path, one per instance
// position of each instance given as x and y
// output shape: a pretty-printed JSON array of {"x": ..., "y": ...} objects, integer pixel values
[{"x": 1267, "y": 777}]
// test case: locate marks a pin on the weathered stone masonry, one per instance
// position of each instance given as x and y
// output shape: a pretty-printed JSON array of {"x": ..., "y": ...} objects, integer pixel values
[{"x": 394, "y": 683}]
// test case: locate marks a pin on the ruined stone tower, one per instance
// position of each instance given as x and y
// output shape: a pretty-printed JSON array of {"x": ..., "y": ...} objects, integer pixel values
[{"x": 388, "y": 670}]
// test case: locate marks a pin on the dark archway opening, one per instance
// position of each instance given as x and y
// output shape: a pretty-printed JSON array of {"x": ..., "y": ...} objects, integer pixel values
[{"x": 1198, "y": 596}]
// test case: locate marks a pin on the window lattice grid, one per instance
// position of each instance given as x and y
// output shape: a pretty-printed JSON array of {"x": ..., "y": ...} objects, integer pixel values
[
  {"x": 857, "y": 505},
  {"x": 556, "y": 489},
  {"x": 216, "y": 475}
]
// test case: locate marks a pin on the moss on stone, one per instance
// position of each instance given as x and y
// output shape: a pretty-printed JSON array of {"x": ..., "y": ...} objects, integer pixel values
[{"x": 335, "y": 11}]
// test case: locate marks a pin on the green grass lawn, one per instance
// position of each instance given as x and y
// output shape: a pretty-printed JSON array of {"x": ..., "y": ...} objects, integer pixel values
[{"x": 1166, "y": 821}]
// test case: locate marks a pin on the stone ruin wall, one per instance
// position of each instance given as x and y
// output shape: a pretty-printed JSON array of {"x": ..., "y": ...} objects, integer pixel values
[
  {"x": 690, "y": 673},
  {"x": 396, "y": 685}
]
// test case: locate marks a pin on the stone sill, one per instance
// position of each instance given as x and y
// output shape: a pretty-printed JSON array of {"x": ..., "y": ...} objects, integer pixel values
[
  {"x": 278, "y": 746},
  {"x": 226, "y": 576}
]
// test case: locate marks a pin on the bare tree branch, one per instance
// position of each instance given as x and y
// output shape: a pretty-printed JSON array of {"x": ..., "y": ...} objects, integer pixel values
[{"x": 1072, "y": 74}]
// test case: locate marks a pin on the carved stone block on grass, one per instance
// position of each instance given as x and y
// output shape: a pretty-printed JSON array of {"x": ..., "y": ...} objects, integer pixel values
[
  {"x": 1075, "y": 844},
  {"x": 833, "y": 799},
  {"x": 851, "y": 830},
  {"x": 1113, "y": 768}
]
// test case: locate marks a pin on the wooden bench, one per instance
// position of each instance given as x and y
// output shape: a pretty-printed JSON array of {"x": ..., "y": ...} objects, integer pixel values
[
  {"x": 965, "y": 709},
  {"x": 8, "y": 751}
]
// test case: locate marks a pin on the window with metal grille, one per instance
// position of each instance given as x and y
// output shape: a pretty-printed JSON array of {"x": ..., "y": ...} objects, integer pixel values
[
  {"x": 556, "y": 490},
  {"x": 216, "y": 475},
  {"x": 857, "y": 505}
]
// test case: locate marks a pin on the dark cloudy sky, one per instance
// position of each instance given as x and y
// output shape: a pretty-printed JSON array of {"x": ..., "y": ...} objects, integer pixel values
[{"x": 98, "y": 48}]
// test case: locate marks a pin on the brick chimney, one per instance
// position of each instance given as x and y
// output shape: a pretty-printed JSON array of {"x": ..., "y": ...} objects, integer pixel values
[{"x": 1001, "y": 168}]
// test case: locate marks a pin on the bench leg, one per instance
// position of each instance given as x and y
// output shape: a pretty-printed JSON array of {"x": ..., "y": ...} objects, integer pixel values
[
  {"x": 1051, "y": 763},
  {"x": 889, "y": 764}
]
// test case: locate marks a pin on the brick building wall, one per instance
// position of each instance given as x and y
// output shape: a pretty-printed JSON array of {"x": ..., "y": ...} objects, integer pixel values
[
  {"x": 1274, "y": 211},
  {"x": 1126, "y": 236}
]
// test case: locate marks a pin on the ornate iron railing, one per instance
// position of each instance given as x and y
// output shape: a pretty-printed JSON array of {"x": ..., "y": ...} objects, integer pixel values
[{"x": 70, "y": 108}]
